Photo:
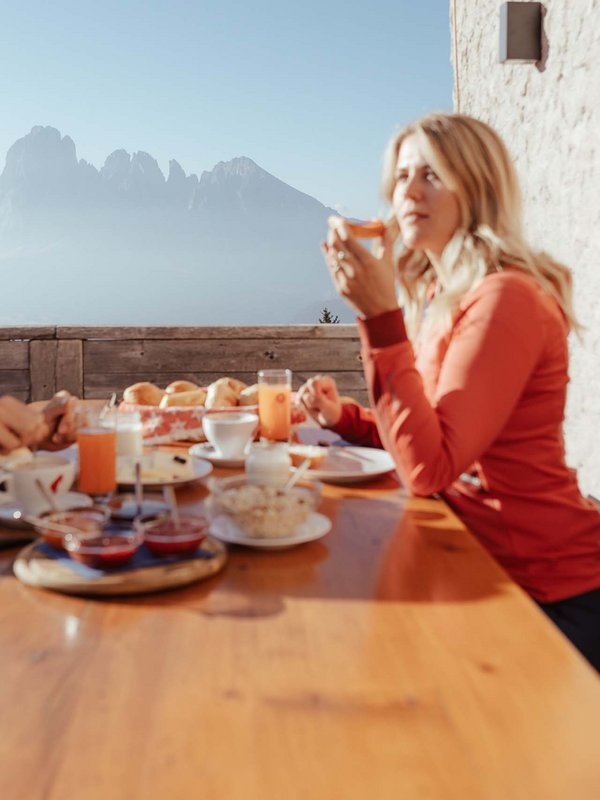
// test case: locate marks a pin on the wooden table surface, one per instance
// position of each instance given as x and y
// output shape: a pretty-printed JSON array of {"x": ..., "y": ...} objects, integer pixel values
[{"x": 390, "y": 659}]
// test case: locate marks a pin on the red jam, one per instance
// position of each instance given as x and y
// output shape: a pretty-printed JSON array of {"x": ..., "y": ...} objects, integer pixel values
[
  {"x": 164, "y": 538},
  {"x": 103, "y": 552},
  {"x": 85, "y": 521}
]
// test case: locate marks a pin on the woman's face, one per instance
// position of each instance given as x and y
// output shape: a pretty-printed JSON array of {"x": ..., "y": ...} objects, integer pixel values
[{"x": 427, "y": 212}]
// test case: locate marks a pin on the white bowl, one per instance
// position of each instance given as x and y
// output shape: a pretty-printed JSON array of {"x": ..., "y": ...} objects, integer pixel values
[{"x": 264, "y": 511}]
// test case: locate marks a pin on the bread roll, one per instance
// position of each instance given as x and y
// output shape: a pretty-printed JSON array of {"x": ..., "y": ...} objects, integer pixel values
[
  {"x": 181, "y": 386},
  {"x": 315, "y": 453},
  {"x": 144, "y": 393},
  {"x": 224, "y": 393},
  {"x": 249, "y": 396},
  {"x": 195, "y": 397},
  {"x": 237, "y": 386}
]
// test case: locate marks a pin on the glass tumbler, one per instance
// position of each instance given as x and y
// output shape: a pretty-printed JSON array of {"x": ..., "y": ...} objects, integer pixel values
[
  {"x": 275, "y": 404},
  {"x": 97, "y": 445}
]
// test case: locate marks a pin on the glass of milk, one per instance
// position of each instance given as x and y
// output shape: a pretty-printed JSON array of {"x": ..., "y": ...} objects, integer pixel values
[{"x": 128, "y": 426}]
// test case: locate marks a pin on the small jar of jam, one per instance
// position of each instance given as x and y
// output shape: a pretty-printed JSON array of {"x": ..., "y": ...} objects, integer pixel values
[
  {"x": 165, "y": 536},
  {"x": 112, "y": 547}
]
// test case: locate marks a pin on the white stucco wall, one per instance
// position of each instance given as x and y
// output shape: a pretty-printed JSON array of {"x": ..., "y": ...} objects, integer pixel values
[{"x": 549, "y": 115}]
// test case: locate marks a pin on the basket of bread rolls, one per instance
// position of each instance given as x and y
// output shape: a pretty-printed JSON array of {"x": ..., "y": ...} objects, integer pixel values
[{"x": 175, "y": 412}]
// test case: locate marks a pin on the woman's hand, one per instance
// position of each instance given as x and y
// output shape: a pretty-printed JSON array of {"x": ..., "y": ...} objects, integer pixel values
[
  {"x": 320, "y": 397},
  {"x": 20, "y": 425},
  {"x": 366, "y": 281},
  {"x": 297, "y": 414}
]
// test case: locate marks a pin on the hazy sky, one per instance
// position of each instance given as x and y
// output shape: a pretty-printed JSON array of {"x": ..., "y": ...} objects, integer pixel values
[{"x": 309, "y": 90}]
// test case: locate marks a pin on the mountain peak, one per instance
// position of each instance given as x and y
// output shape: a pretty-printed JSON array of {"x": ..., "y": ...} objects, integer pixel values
[
  {"x": 42, "y": 143},
  {"x": 40, "y": 164},
  {"x": 146, "y": 170},
  {"x": 243, "y": 164},
  {"x": 239, "y": 167}
]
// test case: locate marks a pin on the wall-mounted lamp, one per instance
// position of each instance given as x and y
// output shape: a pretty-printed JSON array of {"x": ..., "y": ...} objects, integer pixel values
[{"x": 520, "y": 32}]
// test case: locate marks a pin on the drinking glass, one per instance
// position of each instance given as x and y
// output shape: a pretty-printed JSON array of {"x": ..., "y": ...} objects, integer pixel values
[
  {"x": 274, "y": 404},
  {"x": 128, "y": 426},
  {"x": 97, "y": 444}
]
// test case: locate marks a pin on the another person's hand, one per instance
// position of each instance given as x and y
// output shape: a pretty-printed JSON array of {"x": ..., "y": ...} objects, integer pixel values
[
  {"x": 20, "y": 425},
  {"x": 320, "y": 397},
  {"x": 366, "y": 281},
  {"x": 57, "y": 427},
  {"x": 60, "y": 417}
]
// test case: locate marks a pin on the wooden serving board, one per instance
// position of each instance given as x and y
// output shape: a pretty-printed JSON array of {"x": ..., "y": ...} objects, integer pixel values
[{"x": 35, "y": 567}]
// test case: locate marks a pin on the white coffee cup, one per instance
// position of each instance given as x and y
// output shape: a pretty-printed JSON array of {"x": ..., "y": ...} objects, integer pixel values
[
  {"x": 229, "y": 432},
  {"x": 55, "y": 474}
]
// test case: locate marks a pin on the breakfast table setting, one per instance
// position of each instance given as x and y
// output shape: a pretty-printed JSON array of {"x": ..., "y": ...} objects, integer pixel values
[{"x": 260, "y": 610}]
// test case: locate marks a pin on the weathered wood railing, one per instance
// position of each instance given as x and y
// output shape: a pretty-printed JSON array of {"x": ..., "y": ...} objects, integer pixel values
[{"x": 95, "y": 361}]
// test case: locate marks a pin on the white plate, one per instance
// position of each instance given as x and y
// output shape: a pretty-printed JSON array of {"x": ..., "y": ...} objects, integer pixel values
[
  {"x": 316, "y": 526},
  {"x": 207, "y": 451},
  {"x": 64, "y": 503},
  {"x": 162, "y": 469},
  {"x": 352, "y": 465}
]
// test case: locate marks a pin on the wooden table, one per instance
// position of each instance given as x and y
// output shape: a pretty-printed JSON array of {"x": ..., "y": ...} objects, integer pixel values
[{"x": 391, "y": 659}]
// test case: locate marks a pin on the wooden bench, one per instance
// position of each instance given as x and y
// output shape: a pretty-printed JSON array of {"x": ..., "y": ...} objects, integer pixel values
[{"x": 96, "y": 361}]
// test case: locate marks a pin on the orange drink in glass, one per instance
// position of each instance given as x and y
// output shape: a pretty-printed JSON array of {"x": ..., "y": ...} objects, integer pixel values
[
  {"x": 97, "y": 453},
  {"x": 275, "y": 404}
]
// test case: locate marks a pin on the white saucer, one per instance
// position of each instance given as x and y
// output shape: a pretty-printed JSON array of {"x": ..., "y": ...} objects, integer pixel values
[
  {"x": 63, "y": 501},
  {"x": 206, "y": 451},
  {"x": 315, "y": 527}
]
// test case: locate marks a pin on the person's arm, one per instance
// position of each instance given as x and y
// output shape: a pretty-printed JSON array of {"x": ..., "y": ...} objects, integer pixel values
[
  {"x": 495, "y": 343},
  {"x": 357, "y": 425}
]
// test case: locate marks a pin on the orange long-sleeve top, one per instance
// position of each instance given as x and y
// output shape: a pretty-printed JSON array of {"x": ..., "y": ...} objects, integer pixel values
[{"x": 487, "y": 398}]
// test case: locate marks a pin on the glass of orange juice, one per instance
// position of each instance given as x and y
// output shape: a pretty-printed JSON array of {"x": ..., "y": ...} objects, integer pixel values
[
  {"x": 275, "y": 404},
  {"x": 97, "y": 452}
]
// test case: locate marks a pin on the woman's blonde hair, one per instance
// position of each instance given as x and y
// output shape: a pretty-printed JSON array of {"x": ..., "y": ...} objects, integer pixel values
[{"x": 472, "y": 161}]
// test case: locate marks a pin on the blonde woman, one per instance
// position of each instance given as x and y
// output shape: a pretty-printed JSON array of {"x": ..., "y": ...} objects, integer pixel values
[{"x": 468, "y": 380}]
